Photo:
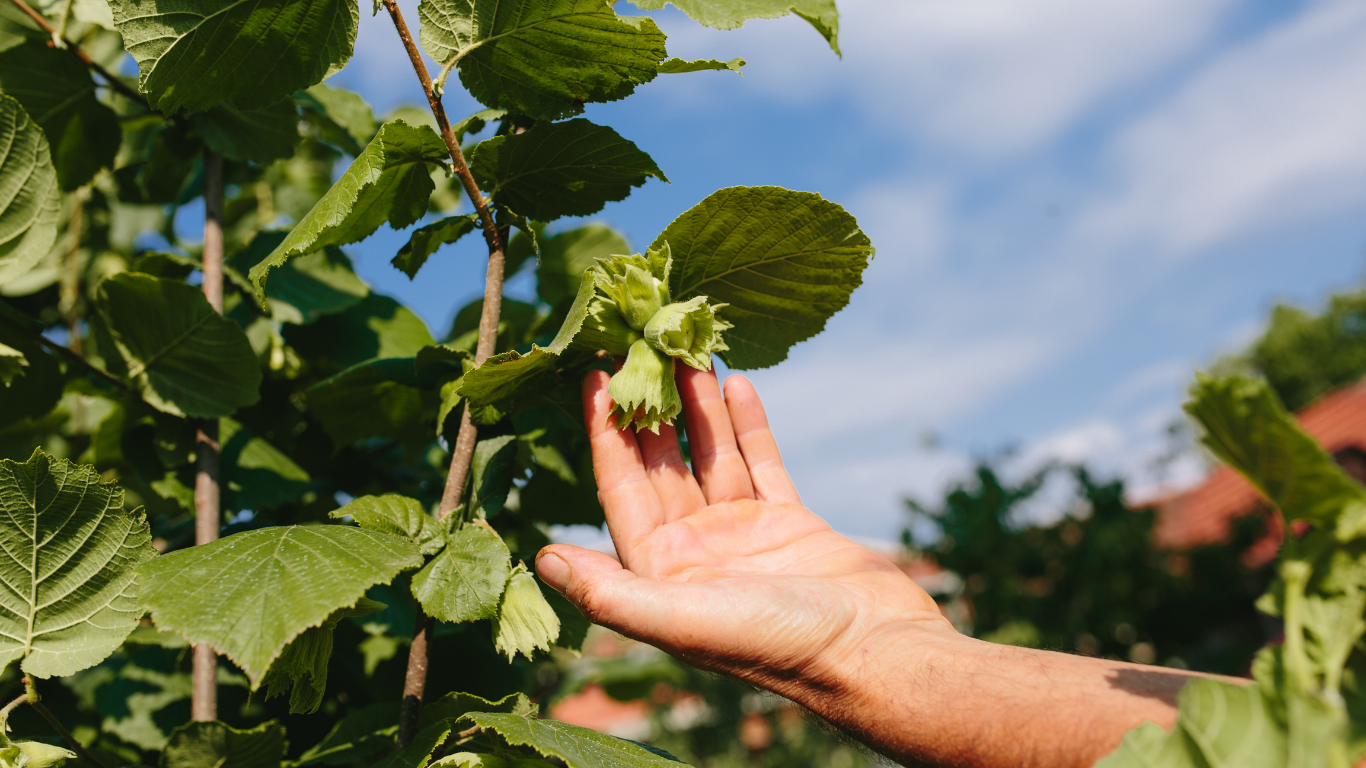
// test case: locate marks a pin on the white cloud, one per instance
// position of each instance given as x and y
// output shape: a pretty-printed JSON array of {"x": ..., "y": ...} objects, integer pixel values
[
  {"x": 1269, "y": 135},
  {"x": 985, "y": 76}
]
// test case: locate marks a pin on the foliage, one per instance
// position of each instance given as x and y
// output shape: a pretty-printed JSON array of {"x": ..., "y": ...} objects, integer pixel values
[
  {"x": 1304, "y": 356},
  {"x": 1303, "y": 708},
  {"x": 337, "y": 409},
  {"x": 1093, "y": 582}
]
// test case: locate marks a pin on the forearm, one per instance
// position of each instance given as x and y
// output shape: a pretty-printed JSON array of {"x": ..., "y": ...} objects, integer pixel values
[{"x": 923, "y": 694}]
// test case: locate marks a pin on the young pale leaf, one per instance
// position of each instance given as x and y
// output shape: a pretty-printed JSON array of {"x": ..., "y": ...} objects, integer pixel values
[
  {"x": 680, "y": 66},
  {"x": 465, "y": 581},
  {"x": 578, "y": 747},
  {"x": 12, "y": 364},
  {"x": 396, "y": 515},
  {"x": 572, "y": 168},
  {"x": 783, "y": 261},
  {"x": 259, "y": 135},
  {"x": 250, "y": 53},
  {"x": 525, "y": 622},
  {"x": 425, "y": 240},
  {"x": 306, "y": 287},
  {"x": 342, "y": 117},
  {"x": 541, "y": 58},
  {"x": 211, "y": 744},
  {"x": 28, "y": 185},
  {"x": 1246, "y": 426},
  {"x": 187, "y": 359},
  {"x": 256, "y": 475},
  {"x": 301, "y": 668},
  {"x": 375, "y": 399},
  {"x": 565, "y": 256},
  {"x": 390, "y": 181},
  {"x": 59, "y": 618},
  {"x": 57, "y": 91},
  {"x": 731, "y": 14},
  {"x": 285, "y": 580}
]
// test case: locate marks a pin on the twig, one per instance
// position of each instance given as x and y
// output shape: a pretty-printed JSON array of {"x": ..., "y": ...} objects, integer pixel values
[
  {"x": 31, "y": 696},
  {"x": 208, "y": 510},
  {"x": 463, "y": 451},
  {"x": 113, "y": 82},
  {"x": 8, "y": 708},
  {"x": 70, "y": 355}
]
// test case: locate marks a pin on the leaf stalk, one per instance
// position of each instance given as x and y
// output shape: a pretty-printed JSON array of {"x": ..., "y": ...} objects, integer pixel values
[{"x": 31, "y": 696}]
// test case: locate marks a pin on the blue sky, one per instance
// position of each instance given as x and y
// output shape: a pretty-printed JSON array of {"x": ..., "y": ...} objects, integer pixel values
[{"x": 1074, "y": 205}]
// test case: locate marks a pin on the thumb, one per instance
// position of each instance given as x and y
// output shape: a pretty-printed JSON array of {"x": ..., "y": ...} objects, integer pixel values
[{"x": 607, "y": 593}]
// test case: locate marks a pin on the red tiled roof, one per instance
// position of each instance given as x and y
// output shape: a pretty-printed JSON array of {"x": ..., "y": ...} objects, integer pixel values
[{"x": 1204, "y": 515}]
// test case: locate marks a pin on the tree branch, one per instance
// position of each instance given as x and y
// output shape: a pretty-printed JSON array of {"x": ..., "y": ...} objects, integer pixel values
[
  {"x": 463, "y": 451},
  {"x": 208, "y": 510},
  {"x": 69, "y": 355},
  {"x": 113, "y": 82}
]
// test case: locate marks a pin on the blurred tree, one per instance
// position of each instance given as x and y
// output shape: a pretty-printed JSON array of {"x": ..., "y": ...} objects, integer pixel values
[
  {"x": 1303, "y": 356},
  {"x": 1093, "y": 582}
]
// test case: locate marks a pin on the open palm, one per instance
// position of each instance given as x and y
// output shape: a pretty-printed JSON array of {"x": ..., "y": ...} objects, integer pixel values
[{"x": 722, "y": 565}]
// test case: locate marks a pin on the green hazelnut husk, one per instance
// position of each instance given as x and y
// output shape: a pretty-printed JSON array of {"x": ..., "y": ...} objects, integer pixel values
[
  {"x": 643, "y": 391},
  {"x": 688, "y": 330}
]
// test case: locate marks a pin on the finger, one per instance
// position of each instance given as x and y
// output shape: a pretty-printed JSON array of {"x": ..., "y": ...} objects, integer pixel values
[
  {"x": 651, "y": 611},
  {"x": 628, "y": 498},
  {"x": 757, "y": 445},
  {"x": 716, "y": 459},
  {"x": 678, "y": 491}
]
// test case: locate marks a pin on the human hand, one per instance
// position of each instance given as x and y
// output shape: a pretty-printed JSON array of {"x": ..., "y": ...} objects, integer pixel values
[{"x": 722, "y": 566}]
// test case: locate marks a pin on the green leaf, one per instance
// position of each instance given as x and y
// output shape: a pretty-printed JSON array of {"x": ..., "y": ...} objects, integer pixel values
[
  {"x": 731, "y": 14},
  {"x": 1247, "y": 428},
  {"x": 784, "y": 261},
  {"x": 1219, "y": 724},
  {"x": 306, "y": 287},
  {"x": 541, "y": 58},
  {"x": 56, "y": 89},
  {"x": 476, "y": 122},
  {"x": 565, "y": 257},
  {"x": 491, "y": 472},
  {"x": 255, "y": 474},
  {"x": 465, "y": 581},
  {"x": 341, "y": 117},
  {"x": 39, "y": 389},
  {"x": 396, "y": 515},
  {"x": 390, "y": 181},
  {"x": 572, "y": 168},
  {"x": 211, "y": 744},
  {"x": 503, "y": 381},
  {"x": 12, "y": 364},
  {"x": 285, "y": 580},
  {"x": 419, "y": 751},
  {"x": 680, "y": 66},
  {"x": 301, "y": 668},
  {"x": 456, "y": 705},
  {"x": 426, "y": 240},
  {"x": 259, "y": 135},
  {"x": 71, "y": 596},
  {"x": 187, "y": 359},
  {"x": 375, "y": 399},
  {"x": 525, "y": 622},
  {"x": 253, "y": 54},
  {"x": 577, "y": 747},
  {"x": 376, "y": 328},
  {"x": 28, "y": 189},
  {"x": 363, "y": 734}
]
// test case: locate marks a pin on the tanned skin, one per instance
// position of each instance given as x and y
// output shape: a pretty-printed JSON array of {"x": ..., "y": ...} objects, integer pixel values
[{"x": 723, "y": 567}]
